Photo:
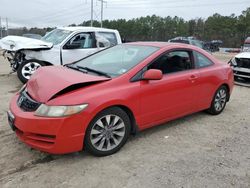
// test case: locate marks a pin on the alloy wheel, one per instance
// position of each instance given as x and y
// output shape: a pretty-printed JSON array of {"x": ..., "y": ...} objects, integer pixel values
[
  {"x": 220, "y": 99},
  {"x": 107, "y": 132},
  {"x": 29, "y": 69}
]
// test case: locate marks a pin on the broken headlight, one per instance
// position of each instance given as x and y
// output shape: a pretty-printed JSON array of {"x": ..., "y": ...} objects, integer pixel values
[{"x": 232, "y": 62}]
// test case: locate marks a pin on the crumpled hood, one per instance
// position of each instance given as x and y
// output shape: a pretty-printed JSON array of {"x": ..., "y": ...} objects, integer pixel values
[
  {"x": 47, "y": 82},
  {"x": 243, "y": 55},
  {"x": 14, "y": 43}
]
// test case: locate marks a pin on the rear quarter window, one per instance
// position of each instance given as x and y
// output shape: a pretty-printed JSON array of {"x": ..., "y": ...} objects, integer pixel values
[
  {"x": 201, "y": 60},
  {"x": 111, "y": 37}
]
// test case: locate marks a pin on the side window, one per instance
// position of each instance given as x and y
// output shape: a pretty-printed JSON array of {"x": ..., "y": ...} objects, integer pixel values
[
  {"x": 201, "y": 60},
  {"x": 80, "y": 41},
  {"x": 174, "y": 61},
  {"x": 111, "y": 37}
]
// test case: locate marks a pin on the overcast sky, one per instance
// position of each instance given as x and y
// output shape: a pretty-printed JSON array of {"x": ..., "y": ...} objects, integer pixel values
[{"x": 43, "y": 13}]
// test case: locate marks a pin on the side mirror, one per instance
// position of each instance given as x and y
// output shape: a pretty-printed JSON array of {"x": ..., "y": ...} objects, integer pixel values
[
  {"x": 73, "y": 45},
  {"x": 152, "y": 74}
]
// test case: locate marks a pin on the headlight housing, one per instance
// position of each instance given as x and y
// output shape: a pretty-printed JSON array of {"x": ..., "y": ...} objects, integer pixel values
[
  {"x": 59, "y": 111},
  {"x": 233, "y": 62},
  {"x": 22, "y": 89}
]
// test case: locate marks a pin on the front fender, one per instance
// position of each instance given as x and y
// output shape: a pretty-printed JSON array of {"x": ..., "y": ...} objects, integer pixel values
[
  {"x": 49, "y": 55},
  {"x": 90, "y": 113}
]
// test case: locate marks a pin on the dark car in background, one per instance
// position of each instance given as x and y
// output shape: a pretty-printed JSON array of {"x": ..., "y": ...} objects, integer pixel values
[{"x": 211, "y": 46}]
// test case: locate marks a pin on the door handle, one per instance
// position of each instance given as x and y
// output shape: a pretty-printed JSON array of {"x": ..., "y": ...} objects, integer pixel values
[{"x": 192, "y": 78}]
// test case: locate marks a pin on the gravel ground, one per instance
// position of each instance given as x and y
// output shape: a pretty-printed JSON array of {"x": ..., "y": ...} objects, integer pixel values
[{"x": 199, "y": 150}]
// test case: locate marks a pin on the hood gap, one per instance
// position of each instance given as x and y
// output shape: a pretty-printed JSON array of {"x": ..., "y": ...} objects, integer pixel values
[{"x": 72, "y": 88}]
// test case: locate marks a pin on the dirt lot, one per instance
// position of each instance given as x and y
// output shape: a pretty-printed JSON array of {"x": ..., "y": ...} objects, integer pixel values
[{"x": 196, "y": 151}]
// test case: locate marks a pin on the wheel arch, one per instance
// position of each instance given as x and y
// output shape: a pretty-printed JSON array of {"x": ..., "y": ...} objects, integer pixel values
[
  {"x": 134, "y": 127},
  {"x": 47, "y": 63},
  {"x": 33, "y": 59}
]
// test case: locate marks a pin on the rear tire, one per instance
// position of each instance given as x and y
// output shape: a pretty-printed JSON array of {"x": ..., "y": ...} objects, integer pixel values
[
  {"x": 27, "y": 68},
  {"x": 219, "y": 101},
  {"x": 107, "y": 132}
]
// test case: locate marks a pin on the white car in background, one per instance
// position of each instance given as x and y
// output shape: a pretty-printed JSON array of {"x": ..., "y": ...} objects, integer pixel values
[
  {"x": 246, "y": 46},
  {"x": 59, "y": 47},
  {"x": 241, "y": 68}
]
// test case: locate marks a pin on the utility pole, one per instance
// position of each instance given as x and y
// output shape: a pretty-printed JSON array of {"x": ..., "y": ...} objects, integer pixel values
[
  {"x": 7, "y": 27},
  {"x": 1, "y": 33},
  {"x": 92, "y": 7},
  {"x": 102, "y": 1}
]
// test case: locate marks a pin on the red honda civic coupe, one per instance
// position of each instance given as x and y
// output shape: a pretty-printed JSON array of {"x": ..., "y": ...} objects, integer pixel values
[{"x": 97, "y": 102}]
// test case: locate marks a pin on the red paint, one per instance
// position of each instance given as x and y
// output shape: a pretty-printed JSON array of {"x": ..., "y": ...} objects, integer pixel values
[
  {"x": 51, "y": 79},
  {"x": 151, "y": 101}
]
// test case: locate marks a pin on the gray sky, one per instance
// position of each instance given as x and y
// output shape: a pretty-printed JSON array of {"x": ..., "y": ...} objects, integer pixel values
[{"x": 42, "y": 13}]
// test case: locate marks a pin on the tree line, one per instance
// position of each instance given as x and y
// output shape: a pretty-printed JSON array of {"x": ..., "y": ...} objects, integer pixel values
[{"x": 232, "y": 30}]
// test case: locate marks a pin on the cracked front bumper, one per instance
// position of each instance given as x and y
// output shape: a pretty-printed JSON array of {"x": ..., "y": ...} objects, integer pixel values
[
  {"x": 242, "y": 76},
  {"x": 51, "y": 135}
]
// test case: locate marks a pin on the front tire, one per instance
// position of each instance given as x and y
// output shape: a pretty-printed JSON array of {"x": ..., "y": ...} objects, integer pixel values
[
  {"x": 107, "y": 132},
  {"x": 27, "y": 68},
  {"x": 219, "y": 101}
]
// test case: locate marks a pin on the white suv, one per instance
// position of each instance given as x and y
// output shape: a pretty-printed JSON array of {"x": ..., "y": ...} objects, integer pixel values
[{"x": 58, "y": 47}]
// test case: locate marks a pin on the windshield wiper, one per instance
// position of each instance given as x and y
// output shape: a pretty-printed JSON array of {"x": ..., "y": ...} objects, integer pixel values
[
  {"x": 75, "y": 68},
  {"x": 95, "y": 71}
]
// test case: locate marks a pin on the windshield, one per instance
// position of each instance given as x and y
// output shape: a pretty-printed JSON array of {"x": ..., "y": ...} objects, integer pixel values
[
  {"x": 56, "y": 36},
  {"x": 117, "y": 60}
]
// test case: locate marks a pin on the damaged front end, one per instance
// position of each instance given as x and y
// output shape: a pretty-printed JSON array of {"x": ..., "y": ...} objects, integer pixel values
[
  {"x": 14, "y": 58},
  {"x": 241, "y": 68},
  {"x": 14, "y": 46}
]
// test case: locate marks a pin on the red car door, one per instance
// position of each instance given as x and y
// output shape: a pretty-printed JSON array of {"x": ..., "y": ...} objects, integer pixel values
[{"x": 175, "y": 94}]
